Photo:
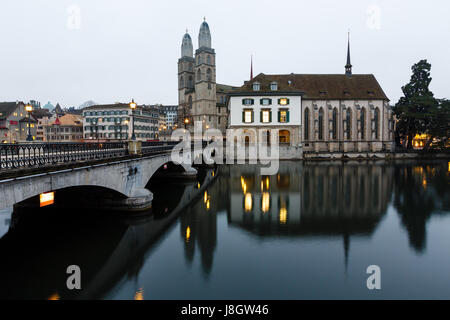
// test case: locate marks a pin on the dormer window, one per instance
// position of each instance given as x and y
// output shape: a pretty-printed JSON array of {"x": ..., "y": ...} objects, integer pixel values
[
  {"x": 274, "y": 86},
  {"x": 256, "y": 86}
]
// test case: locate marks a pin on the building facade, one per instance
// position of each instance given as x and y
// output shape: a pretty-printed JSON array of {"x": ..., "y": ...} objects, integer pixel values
[
  {"x": 115, "y": 122},
  {"x": 14, "y": 122},
  {"x": 323, "y": 113},
  {"x": 67, "y": 128},
  {"x": 200, "y": 98}
]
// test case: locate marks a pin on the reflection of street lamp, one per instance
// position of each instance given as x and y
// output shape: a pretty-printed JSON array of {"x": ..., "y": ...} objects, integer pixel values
[
  {"x": 186, "y": 122},
  {"x": 133, "y": 106},
  {"x": 29, "y": 109}
]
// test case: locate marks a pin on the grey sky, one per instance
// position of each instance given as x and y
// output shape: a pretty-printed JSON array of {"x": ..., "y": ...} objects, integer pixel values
[{"x": 129, "y": 49}]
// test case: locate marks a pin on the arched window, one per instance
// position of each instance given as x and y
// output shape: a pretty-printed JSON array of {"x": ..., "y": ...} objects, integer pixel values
[
  {"x": 284, "y": 136},
  {"x": 321, "y": 124},
  {"x": 306, "y": 120},
  {"x": 190, "y": 102},
  {"x": 208, "y": 74},
  {"x": 208, "y": 59},
  {"x": 377, "y": 123},
  {"x": 334, "y": 124},
  {"x": 190, "y": 66},
  {"x": 181, "y": 82},
  {"x": 362, "y": 120},
  {"x": 348, "y": 120},
  {"x": 190, "y": 84},
  {"x": 199, "y": 75}
]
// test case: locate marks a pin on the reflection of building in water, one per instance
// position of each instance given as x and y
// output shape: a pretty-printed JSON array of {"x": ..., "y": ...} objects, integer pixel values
[
  {"x": 198, "y": 224},
  {"x": 319, "y": 199}
]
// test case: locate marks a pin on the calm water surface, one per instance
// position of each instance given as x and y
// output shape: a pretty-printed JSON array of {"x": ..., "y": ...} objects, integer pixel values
[{"x": 309, "y": 232}]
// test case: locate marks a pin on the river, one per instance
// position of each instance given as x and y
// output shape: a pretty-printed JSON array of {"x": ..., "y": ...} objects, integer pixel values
[{"x": 309, "y": 232}]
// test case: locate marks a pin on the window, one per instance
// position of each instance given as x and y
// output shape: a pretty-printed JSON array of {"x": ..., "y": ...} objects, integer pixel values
[
  {"x": 334, "y": 125},
  {"x": 306, "y": 124},
  {"x": 274, "y": 86},
  {"x": 377, "y": 124},
  {"x": 321, "y": 124},
  {"x": 348, "y": 124},
  {"x": 266, "y": 116},
  {"x": 208, "y": 59},
  {"x": 265, "y": 102},
  {"x": 199, "y": 74},
  {"x": 248, "y": 102},
  {"x": 283, "y": 101},
  {"x": 283, "y": 116},
  {"x": 363, "y": 123},
  {"x": 247, "y": 116},
  {"x": 256, "y": 86}
]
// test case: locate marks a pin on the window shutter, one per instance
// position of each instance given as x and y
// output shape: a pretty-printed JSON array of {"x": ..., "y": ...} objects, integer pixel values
[
  {"x": 287, "y": 116},
  {"x": 270, "y": 116},
  {"x": 279, "y": 116},
  {"x": 279, "y": 101},
  {"x": 260, "y": 116},
  {"x": 270, "y": 101},
  {"x": 253, "y": 101},
  {"x": 253, "y": 116},
  {"x": 243, "y": 116},
  {"x": 287, "y": 101}
]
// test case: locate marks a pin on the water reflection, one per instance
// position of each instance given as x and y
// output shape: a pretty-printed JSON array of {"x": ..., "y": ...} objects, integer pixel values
[
  {"x": 421, "y": 191},
  {"x": 338, "y": 202}
]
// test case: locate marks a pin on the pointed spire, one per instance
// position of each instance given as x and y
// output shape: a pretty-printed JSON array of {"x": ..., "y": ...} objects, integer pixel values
[
  {"x": 251, "y": 67},
  {"x": 348, "y": 66}
]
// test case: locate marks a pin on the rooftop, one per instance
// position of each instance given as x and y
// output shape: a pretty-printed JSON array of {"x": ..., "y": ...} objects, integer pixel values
[{"x": 319, "y": 86}]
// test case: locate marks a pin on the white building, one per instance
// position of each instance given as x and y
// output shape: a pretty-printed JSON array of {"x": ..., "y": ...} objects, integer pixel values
[
  {"x": 322, "y": 113},
  {"x": 115, "y": 122}
]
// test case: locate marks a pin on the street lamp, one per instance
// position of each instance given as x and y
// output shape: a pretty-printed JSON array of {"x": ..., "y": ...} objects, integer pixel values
[
  {"x": 133, "y": 106},
  {"x": 186, "y": 122},
  {"x": 29, "y": 109}
]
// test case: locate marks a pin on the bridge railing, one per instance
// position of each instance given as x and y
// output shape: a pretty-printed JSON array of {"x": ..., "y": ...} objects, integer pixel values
[{"x": 13, "y": 156}]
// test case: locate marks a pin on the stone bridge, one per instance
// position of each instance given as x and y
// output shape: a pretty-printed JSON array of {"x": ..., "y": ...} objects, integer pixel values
[{"x": 124, "y": 178}]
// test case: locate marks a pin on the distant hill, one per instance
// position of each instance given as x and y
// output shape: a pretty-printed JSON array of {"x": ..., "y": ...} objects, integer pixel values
[{"x": 87, "y": 104}]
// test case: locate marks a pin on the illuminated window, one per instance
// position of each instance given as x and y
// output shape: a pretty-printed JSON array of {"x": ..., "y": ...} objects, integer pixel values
[
  {"x": 283, "y": 116},
  {"x": 248, "y": 116},
  {"x": 283, "y": 101},
  {"x": 266, "y": 116}
]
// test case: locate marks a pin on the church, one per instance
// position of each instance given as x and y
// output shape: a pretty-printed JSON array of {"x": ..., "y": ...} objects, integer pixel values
[
  {"x": 316, "y": 115},
  {"x": 334, "y": 115},
  {"x": 200, "y": 98}
]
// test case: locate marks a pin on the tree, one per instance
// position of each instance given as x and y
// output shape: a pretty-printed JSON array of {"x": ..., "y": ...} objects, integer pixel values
[
  {"x": 439, "y": 125},
  {"x": 413, "y": 110}
]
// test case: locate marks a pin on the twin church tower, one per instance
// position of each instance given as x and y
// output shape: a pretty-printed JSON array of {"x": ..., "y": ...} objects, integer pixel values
[{"x": 200, "y": 98}]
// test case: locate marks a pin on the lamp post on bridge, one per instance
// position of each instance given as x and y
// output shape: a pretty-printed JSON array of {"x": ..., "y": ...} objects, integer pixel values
[
  {"x": 133, "y": 106},
  {"x": 29, "y": 109}
]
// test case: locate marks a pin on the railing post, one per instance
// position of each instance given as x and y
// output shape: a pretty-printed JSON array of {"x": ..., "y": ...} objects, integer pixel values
[{"x": 134, "y": 147}]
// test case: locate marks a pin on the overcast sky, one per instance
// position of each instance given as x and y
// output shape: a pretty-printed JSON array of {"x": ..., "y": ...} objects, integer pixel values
[{"x": 115, "y": 50}]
